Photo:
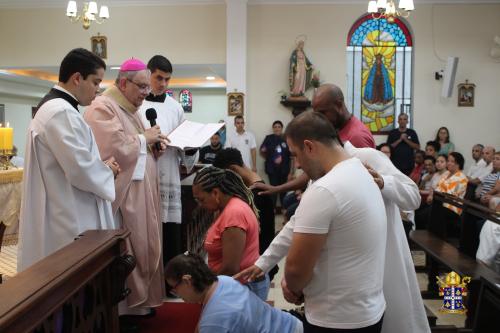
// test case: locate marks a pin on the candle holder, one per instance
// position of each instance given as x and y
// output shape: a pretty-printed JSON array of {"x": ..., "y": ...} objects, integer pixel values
[{"x": 5, "y": 155}]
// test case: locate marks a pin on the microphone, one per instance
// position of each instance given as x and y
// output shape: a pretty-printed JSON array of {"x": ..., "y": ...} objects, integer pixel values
[{"x": 151, "y": 116}]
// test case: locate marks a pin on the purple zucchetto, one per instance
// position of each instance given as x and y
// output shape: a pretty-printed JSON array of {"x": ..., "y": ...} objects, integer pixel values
[{"x": 132, "y": 65}]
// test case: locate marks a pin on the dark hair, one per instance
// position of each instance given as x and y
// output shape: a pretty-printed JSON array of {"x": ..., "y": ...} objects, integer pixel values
[
  {"x": 227, "y": 181},
  {"x": 420, "y": 152},
  {"x": 278, "y": 122},
  {"x": 435, "y": 144},
  {"x": 161, "y": 63},
  {"x": 384, "y": 144},
  {"x": 430, "y": 157},
  {"x": 437, "y": 134},
  {"x": 459, "y": 159},
  {"x": 190, "y": 264},
  {"x": 79, "y": 61},
  {"x": 442, "y": 155},
  {"x": 226, "y": 157},
  {"x": 238, "y": 117},
  {"x": 311, "y": 126},
  {"x": 478, "y": 145}
]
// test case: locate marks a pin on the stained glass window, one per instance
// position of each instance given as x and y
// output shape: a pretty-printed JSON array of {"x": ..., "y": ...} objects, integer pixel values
[
  {"x": 186, "y": 100},
  {"x": 169, "y": 92},
  {"x": 379, "y": 72}
]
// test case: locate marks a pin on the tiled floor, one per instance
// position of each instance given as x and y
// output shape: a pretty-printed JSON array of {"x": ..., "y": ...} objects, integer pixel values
[{"x": 8, "y": 269}]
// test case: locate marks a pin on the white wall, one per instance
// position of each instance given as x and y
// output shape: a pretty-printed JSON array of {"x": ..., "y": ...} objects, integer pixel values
[
  {"x": 19, "y": 116},
  {"x": 185, "y": 34},
  {"x": 209, "y": 105},
  {"x": 196, "y": 34},
  {"x": 460, "y": 30}
]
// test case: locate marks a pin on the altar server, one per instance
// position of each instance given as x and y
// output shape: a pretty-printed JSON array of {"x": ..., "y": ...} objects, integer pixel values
[
  {"x": 169, "y": 115},
  {"x": 68, "y": 189}
]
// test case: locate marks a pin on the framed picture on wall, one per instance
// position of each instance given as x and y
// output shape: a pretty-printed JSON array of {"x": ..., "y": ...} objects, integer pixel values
[
  {"x": 235, "y": 106},
  {"x": 466, "y": 94},
  {"x": 99, "y": 46}
]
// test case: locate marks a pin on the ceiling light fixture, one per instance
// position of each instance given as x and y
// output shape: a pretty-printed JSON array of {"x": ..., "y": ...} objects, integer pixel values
[
  {"x": 89, "y": 13},
  {"x": 210, "y": 78},
  {"x": 386, "y": 9}
]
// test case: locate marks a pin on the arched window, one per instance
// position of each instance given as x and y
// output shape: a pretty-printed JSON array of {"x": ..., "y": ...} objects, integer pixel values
[{"x": 379, "y": 72}]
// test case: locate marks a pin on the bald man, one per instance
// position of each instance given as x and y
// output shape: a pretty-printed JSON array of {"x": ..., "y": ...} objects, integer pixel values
[{"x": 329, "y": 101}]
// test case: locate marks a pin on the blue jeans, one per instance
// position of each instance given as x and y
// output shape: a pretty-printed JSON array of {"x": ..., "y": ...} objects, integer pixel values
[{"x": 260, "y": 288}]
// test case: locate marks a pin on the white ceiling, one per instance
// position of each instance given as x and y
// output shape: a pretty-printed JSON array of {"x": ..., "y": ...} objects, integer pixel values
[
  {"x": 118, "y": 3},
  {"x": 196, "y": 73},
  {"x": 181, "y": 71}
]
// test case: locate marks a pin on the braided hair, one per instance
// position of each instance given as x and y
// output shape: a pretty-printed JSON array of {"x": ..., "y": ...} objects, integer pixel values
[{"x": 228, "y": 182}]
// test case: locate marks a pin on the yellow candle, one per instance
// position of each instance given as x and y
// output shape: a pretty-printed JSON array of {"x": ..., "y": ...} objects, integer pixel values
[
  {"x": 2, "y": 137},
  {"x": 9, "y": 138},
  {"x": 6, "y": 138}
]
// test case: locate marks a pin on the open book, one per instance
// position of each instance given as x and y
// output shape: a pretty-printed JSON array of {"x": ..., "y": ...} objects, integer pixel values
[{"x": 190, "y": 134}]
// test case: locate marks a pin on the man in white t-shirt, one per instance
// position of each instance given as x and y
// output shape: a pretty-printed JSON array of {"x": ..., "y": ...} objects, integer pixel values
[
  {"x": 489, "y": 245},
  {"x": 476, "y": 172},
  {"x": 244, "y": 141},
  {"x": 337, "y": 252}
]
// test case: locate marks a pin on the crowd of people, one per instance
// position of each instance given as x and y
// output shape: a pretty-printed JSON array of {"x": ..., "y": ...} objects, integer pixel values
[{"x": 347, "y": 257}]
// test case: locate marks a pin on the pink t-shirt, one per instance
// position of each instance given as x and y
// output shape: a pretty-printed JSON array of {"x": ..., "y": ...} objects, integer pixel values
[
  {"x": 357, "y": 133},
  {"x": 237, "y": 213}
]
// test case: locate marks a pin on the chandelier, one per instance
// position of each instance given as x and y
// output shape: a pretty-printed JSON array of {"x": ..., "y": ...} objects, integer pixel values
[
  {"x": 88, "y": 15},
  {"x": 387, "y": 9}
]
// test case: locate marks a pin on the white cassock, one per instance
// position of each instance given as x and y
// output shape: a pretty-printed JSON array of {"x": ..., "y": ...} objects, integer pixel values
[
  {"x": 67, "y": 188},
  {"x": 405, "y": 310},
  {"x": 169, "y": 115}
]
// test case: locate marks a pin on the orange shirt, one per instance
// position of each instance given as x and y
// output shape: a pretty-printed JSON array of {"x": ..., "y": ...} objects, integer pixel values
[
  {"x": 455, "y": 185},
  {"x": 237, "y": 213}
]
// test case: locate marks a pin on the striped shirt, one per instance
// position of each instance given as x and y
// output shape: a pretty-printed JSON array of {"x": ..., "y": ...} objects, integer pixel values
[{"x": 488, "y": 183}]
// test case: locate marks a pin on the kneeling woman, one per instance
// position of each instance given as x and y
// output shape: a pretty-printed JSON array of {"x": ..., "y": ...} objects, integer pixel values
[
  {"x": 232, "y": 242},
  {"x": 227, "y": 306}
]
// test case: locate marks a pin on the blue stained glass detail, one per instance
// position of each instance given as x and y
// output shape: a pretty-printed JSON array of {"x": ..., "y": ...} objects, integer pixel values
[{"x": 383, "y": 26}]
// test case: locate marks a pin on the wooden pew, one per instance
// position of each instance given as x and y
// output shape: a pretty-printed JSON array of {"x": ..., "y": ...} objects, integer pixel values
[
  {"x": 440, "y": 252},
  {"x": 487, "y": 317},
  {"x": 76, "y": 289}
]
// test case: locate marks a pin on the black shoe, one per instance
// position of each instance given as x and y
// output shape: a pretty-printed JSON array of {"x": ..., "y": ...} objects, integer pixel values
[
  {"x": 151, "y": 314},
  {"x": 128, "y": 325}
]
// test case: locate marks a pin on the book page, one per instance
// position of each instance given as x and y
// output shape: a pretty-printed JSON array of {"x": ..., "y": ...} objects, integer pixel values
[{"x": 191, "y": 134}]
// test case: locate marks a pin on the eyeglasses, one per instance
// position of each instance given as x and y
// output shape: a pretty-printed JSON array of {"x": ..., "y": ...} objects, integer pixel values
[
  {"x": 142, "y": 87},
  {"x": 173, "y": 288}
]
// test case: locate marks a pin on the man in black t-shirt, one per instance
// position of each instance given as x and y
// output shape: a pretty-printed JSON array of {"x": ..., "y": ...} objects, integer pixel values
[
  {"x": 208, "y": 153},
  {"x": 404, "y": 142}
]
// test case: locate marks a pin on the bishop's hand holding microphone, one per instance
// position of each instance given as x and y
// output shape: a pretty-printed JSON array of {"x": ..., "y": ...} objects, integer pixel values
[{"x": 153, "y": 135}]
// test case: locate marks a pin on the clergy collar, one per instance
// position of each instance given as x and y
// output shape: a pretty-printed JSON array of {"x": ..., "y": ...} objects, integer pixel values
[
  {"x": 73, "y": 101},
  {"x": 115, "y": 93},
  {"x": 156, "y": 98}
]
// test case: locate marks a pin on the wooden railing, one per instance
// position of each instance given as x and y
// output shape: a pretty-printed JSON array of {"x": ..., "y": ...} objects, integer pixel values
[
  {"x": 441, "y": 253},
  {"x": 76, "y": 289}
]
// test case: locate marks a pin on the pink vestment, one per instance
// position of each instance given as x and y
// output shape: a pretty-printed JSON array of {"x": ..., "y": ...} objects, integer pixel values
[{"x": 116, "y": 125}]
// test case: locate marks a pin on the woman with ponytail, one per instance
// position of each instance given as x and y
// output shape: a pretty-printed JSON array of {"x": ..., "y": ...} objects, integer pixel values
[{"x": 232, "y": 242}]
